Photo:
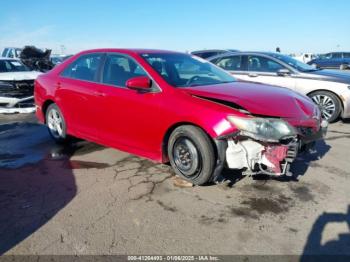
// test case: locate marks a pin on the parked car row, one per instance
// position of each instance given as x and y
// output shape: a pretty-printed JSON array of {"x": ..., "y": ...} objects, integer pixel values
[
  {"x": 199, "y": 115},
  {"x": 178, "y": 108}
]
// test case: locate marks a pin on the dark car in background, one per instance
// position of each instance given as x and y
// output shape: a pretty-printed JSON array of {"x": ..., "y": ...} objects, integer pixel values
[
  {"x": 338, "y": 60},
  {"x": 212, "y": 52}
]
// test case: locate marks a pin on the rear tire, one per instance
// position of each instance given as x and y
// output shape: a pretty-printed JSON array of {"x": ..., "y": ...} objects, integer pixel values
[
  {"x": 314, "y": 65},
  {"x": 56, "y": 124},
  {"x": 343, "y": 67},
  {"x": 191, "y": 154},
  {"x": 328, "y": 103}
]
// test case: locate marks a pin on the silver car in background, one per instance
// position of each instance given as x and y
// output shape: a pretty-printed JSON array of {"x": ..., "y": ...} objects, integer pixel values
[{"x": 330, "y": 90}]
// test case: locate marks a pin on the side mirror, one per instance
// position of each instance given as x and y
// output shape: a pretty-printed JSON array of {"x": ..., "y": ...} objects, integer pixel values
[
  {"x": 283, "y": 72},
  {"x": 139, "y": 83}
]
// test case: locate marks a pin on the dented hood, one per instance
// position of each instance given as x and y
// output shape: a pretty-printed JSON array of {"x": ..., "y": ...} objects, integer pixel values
[{"x": 258, "y": 99}]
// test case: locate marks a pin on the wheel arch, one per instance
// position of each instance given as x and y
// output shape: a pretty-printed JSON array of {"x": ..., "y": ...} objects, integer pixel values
[
  {"x": 166, "y": 137},
  {"x": 45, "y": 106}
]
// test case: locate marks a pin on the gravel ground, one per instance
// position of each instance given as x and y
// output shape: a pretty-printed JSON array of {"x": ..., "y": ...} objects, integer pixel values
[{"x": 87, "y": 199}]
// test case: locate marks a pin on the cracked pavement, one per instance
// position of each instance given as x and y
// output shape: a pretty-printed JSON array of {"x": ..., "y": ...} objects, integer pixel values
[{"x": 88, "y": 199}]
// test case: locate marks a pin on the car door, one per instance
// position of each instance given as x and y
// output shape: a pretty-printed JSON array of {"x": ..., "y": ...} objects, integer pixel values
[
  {"x": 261, "y": 69},
  {"x": 77, "y": 95},
  {"x": 346, "y": 58},
  {"x": 130, "y": 117},
  {"x": 336, "y": 60},
  {"x": 324, "y": 60}
]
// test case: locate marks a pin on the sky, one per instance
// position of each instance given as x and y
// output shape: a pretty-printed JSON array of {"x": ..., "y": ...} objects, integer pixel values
[{"x": 69, "y": 26}]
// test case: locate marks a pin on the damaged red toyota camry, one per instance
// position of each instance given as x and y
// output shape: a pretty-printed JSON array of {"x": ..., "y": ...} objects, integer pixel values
[{"x": 173, "y": 107}]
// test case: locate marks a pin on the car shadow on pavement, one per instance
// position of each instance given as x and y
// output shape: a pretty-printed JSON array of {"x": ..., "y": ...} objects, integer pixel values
[
  {"x": 345, "y": 121},
  {"x": 34, "y": 186},
  {"x": 332, "y": 250},
  {"x": 305, "y": 159}
]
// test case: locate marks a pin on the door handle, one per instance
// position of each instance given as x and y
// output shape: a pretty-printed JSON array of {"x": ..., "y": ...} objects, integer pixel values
[
  {"x": 58, "y": 85},
  {"x": 252, "y": 75},
  {"x": 98, "y": 93}
]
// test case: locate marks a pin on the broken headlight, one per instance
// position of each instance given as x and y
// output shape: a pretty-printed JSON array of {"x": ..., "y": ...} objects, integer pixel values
[{"x": 265, "y": 129}]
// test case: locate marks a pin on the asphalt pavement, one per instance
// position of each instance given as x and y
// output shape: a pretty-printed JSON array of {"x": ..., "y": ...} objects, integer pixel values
[{"x": 88, "y": 199}]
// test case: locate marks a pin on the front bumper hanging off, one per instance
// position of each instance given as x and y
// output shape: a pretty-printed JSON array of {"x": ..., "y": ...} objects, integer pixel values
[
  {"x": 10, "y": 105},
  {"x": 258, "y": 157}
]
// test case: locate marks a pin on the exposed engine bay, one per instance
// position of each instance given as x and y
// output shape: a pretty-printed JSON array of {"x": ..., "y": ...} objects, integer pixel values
[
  {"x": 261, "y": 158},
  {"x": 16, "y": 96},
  {"x": 257, "y": 156}
]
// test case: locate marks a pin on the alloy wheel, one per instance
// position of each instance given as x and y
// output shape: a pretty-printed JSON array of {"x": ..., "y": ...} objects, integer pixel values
[
  {"x": 326, "y": 105},
  {"x": 55, "y": 123}
]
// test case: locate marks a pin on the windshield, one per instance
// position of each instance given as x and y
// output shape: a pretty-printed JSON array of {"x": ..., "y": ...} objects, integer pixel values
[
  {"x": 181, "y": 70},
  {"x": 294, "y": 63},
  {"x": 12, "y": 66},
  {"x": 57, "y": 59}
]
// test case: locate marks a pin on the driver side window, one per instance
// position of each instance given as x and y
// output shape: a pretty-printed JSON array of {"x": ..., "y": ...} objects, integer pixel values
[
  {"x": 231, "y": 63},
  {"x": 263, "y": 64},
  {"x": 120, "y": 68}
]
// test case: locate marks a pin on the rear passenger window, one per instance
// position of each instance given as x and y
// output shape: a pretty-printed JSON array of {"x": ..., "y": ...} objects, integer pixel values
[
  {"x": 4, "y": 53},
  {"x": 263, "y": 64},
  {"x": 84, "y": 68},
  {"x": 120, "y": 68},
  {"x": 336, "y": 55},
  {"x": 346, "y": 55},
  {"x": 232, "y": 63}
]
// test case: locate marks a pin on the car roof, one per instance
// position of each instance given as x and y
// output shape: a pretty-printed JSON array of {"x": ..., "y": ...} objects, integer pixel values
[
  {"x": 129, "y": 51},
  {"x": 8, "y": 58},
  {"x": 18, "y": 48},
  {"x": 245, "y": 53},
  {"x": 208, "y": 50},
  {"x": 213, "y": 50}
]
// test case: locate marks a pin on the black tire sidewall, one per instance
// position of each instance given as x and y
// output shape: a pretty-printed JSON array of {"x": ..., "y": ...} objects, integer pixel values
[
  {"x": 337, "y": 103},
  {"x": 64, "y": 137},
  {"x": 205, "y": 150}
]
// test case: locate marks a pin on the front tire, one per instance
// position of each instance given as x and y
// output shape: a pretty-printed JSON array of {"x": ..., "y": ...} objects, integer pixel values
[
  {"x": 328, "y": 103},
  {"x": 191, "y": 154},
  {"x": 56, "y": 124}
]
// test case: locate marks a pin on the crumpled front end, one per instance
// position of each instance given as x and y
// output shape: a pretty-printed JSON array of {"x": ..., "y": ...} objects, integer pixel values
[
  {"x": 16, "y": 96},
  {"x": 256, "y": 157},
  {"x": 267, "y": 146}
]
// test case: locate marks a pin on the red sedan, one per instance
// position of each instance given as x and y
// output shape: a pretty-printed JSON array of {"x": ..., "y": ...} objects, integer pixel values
[{"x": 170, "y": 106}]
